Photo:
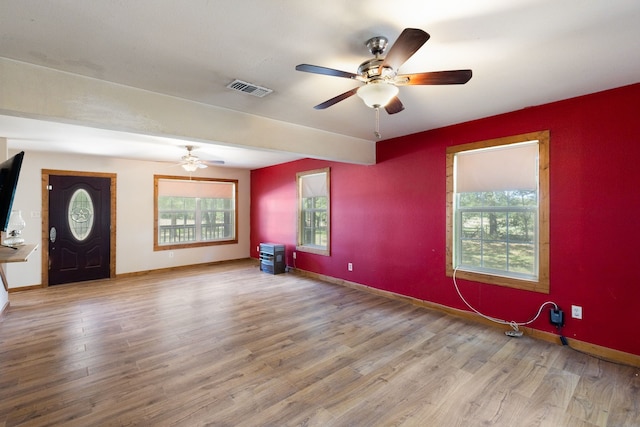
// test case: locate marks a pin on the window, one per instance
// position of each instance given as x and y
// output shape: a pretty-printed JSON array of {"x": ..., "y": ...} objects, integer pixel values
[
  {"x": 80, "y": 214},
  {"x": 313, "y": 211},
  {"x": 194, "y": 212},
  {"x": 498, "y": 210}
]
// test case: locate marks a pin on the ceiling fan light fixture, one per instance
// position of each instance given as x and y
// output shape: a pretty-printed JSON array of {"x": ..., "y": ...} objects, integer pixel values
[
  {"x": 377, "y": 93},
  {"x": 190, "y": 167}
]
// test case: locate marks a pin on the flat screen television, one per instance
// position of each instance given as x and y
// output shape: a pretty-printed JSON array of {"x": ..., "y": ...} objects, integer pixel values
[{"x": 9, "y": 172}]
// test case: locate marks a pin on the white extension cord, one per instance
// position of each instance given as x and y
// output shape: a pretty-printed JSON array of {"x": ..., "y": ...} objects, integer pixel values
[{"x": 516, "y": 332}]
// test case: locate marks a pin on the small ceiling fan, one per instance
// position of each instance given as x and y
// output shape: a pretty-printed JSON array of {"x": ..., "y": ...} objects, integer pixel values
[
  {"x": 191, "y": 163},
  {"x": 380, "y": 75}
]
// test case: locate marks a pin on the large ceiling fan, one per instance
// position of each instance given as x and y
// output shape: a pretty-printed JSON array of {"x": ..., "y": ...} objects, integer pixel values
[
  {"x": 191, "y": 162},
  {"x": 380, "y": 75}
]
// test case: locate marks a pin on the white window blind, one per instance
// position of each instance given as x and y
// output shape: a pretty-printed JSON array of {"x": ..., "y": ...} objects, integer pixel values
[
  {"x": 198, "y": 189},
  {"x": 509, "y": 167},
  {"x": 314, "y": 185}
]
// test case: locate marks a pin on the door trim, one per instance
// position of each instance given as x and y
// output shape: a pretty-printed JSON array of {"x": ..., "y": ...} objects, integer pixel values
[{"x": 45, "y": 218}]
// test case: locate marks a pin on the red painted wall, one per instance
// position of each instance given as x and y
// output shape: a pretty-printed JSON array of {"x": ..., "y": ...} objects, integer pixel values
[{"x": 389, "y": 219}]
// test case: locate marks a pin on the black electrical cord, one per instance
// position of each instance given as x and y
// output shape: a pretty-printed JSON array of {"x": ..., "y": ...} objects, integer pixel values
[{"x": 565, "y": 343}]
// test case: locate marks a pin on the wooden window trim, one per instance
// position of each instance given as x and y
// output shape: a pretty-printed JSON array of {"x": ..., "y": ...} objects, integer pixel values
[{"x": 542, "y": 284}]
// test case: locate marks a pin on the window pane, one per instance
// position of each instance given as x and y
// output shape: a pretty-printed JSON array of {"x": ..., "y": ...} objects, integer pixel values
[
  {"x": 494, "y": 255},
  {"x": 522, "y": 258},
  {"x": 494, "y": 225},
  {"x": 470, "y": 199},
  {"x": 217, "y": 219},
  {"x": 307, "y": 203},
  {"x": 522, "y": 227},
  {"x": 471, "y": 225},
  {"x": 495, "y": 198},
  {"x": 320, "y": 202},
  {"x": 496, "y": 237},
  {"x": 471, "y": 253},
  {"x": 176, "y": 226},
  {"x": 496, "y": 231},
  {"x": 522, "y": 198},
  {"x": 315, "y": 228}
]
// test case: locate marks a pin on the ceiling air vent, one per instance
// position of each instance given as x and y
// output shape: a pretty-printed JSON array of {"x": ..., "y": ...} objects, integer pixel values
[{"x": 249, "y": 88}]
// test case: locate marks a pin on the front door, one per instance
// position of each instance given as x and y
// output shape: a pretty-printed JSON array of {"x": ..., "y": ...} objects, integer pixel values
[{"x": 79, "y": 228}]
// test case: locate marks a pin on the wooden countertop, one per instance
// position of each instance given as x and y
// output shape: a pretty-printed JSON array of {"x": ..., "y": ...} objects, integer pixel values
[{"x": 16, "y": 255}]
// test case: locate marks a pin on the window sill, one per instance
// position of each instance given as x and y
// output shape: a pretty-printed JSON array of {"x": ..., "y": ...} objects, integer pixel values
[
  {"x": 193, "y": 245},
  {"x": 540, "y": 286},
  {"x": 318, "y": 250}
]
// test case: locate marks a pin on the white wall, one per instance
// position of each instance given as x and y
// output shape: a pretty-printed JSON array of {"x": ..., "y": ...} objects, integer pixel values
[{"x": 134, "y": 213}]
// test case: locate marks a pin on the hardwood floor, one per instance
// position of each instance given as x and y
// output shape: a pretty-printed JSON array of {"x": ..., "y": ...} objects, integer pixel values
[{"x": 229, "y": 345}]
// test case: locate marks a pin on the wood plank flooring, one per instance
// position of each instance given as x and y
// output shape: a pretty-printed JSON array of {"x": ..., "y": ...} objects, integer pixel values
[{"x": 228, "y": 345}]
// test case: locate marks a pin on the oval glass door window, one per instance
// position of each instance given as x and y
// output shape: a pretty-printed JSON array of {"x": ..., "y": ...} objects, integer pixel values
[{"x": 80, "y": 215}]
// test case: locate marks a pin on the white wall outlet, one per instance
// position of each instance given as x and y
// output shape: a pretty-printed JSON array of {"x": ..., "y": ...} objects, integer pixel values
[
  {"x": 35, "y": 214},
  {"x": 576, "y": 312},
  {"x": 170, "y": 254},
  {"x": 294, "y": 255},
  {"x": 258, "y": 248},
  {"x": 350, "y": 267}
]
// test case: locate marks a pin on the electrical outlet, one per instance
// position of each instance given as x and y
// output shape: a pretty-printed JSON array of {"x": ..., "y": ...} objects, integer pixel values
[
  {"x": 350, "y": 267},
  {"x": 258, "y": 248},
  {"x": 294, "y": 255},
  {"x": 170, "y": 254},
  {"x": 576, "y": 312}
]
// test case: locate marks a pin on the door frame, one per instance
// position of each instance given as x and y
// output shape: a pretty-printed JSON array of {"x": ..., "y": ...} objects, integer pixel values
[{"x": 45, "y": 218}]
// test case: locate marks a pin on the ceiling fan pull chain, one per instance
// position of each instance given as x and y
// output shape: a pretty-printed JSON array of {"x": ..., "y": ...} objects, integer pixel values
[{"x": 377, "y": 131}]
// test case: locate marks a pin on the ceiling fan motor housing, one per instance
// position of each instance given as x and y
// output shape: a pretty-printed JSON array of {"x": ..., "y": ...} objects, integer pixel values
[{"x": 371, "y": 69}]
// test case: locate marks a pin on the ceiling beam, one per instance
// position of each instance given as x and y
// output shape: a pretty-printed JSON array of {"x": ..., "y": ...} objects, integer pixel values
[{"x": 47, "y": 94}]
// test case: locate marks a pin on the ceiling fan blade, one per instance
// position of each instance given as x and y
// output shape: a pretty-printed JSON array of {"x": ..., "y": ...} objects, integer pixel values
[
  {"x": 394, "y": 106},
  {"x": 336, "y": 99},
  {"x": 453, "y": 77},
  {"x": 324, "y": 70},
  {"x": 409, "y": 41}
]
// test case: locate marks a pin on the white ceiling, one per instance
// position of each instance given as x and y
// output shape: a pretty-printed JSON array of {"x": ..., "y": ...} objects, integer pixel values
[{"x": 522, "y": 53}]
